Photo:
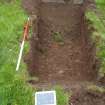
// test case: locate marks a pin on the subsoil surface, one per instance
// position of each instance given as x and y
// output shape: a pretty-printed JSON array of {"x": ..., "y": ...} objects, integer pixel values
[{"x": 73, "y": 59}]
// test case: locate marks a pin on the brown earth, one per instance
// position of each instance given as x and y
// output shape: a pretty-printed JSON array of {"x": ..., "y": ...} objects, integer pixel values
[
  {"x": 50, "y": 61},
  {"x": 84, "y": 97}
]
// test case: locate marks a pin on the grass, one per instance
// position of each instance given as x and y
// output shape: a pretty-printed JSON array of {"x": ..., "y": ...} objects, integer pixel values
[
  {"x": 13, "y": 87},
  {"x": 12, "y": 19},
  {"x": 57, "y": 37},
  {"x": 62, "y": 96},
  {"x": 15, "y": 92},
  {"x": 98, "y": 22}
]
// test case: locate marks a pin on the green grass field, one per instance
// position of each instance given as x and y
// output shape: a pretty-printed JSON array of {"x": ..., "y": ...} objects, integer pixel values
[
  {"x": 12, "y": 19},
  {"x": 13, "y": 88}
]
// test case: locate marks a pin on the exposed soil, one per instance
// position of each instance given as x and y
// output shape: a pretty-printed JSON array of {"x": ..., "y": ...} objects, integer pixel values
[
  {"x": 51, "y": 61},
  {"x": 84, "y": 97}
]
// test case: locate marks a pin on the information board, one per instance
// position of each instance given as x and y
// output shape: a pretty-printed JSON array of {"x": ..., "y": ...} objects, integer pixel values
[
  {"x": 45, "y": 98},
  {"x": 78, "y": 1},
  {"x": 53, "y": 1}
]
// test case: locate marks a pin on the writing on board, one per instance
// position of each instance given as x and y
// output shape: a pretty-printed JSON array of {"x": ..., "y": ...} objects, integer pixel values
[{"x": 45, "y": 98}]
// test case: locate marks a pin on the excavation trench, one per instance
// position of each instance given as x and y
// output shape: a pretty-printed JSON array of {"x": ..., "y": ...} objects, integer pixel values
[{"x": 61, "y": 49}]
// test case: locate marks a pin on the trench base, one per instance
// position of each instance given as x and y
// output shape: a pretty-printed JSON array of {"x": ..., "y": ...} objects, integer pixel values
[{"x": 64, "y": 51}]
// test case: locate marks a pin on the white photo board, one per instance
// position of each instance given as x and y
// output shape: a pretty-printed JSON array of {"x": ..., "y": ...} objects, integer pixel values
[
  {"x": 45, "y": 98},
  {"x": 78, "y": 1},
  {"x": 53, "y": 1}
]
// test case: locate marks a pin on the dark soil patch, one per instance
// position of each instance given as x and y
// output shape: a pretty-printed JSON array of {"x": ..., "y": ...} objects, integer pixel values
[
  {"x": 52, "y": 61},
  {"x": 84, "y": 97}
]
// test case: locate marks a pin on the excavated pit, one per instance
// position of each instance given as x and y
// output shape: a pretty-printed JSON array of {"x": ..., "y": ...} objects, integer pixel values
[{"x": 61, "y": 49}]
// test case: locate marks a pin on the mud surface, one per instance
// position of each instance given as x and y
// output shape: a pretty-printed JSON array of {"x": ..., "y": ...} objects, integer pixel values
[
  {"x": 84, "y": 97},
  {"x": 68, "y": 57}
]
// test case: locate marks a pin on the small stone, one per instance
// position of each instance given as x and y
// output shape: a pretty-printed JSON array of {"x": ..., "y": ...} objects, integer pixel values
[{"x": 61, "y": 72}]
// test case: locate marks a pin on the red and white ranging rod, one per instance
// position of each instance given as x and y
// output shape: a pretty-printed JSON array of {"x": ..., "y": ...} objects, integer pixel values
[{"x": 25, "y": 36}]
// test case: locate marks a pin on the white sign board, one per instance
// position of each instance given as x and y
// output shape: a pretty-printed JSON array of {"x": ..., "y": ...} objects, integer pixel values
[
  {"x": 53, "y": 1},
  {"x": 78, "y": 1},
  {"x": 45, "y": 98}
]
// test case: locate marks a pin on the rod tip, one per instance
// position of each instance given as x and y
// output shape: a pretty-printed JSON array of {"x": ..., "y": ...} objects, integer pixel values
[{"x": 28, "y": 18}]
